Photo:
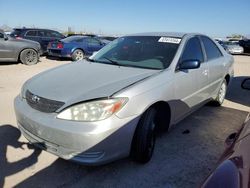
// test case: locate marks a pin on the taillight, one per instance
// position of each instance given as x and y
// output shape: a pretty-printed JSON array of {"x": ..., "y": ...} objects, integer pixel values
[
  {"x": 59, "y": 45},
  {"x": 18, "y": 37}
]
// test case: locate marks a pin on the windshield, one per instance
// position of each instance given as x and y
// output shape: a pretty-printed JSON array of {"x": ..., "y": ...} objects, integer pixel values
[
  {"x": 149, "y": 52},
  {"x": 231, "y": 43}
]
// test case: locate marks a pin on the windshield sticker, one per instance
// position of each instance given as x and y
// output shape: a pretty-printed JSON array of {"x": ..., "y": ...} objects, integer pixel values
[{"x": 169, "y": 40}]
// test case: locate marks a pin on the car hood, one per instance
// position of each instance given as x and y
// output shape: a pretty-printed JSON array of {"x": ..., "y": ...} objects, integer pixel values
[
  {"x": 82, "y": 81},
  {"x": 24, "y": 41}
]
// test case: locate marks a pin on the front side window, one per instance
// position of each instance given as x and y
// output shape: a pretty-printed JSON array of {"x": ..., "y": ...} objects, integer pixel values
[
  {"x": 150, "y": 52},
  {"x": 1, "y": 35},
  {"x": 192, "y": 50},
  {"x": 31, "y": 33},
  {"x": 211, "y": 49}
]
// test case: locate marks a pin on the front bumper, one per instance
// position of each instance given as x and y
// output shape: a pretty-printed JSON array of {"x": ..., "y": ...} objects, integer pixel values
[{"x": 91, "y": 143}]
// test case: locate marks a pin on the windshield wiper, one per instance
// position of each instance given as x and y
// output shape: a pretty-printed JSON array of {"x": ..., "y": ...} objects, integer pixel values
[{"x": 112, "y": 61}]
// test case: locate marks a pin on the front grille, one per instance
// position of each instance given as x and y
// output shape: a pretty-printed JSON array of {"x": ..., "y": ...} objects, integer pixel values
[{"x": 42, "y": 104}]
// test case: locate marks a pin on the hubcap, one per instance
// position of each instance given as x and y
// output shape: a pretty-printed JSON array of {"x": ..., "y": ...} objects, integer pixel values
[
  {"x": 30, "y": 56},
  {"x": 79, "y": 55},
  {"x": 222, "y": 92}
]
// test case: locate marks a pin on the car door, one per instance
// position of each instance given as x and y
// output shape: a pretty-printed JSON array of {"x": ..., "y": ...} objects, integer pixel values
[
  {"x": 188, "y": 82},
  {"x": 7, "y": 48},
  {"x": 94, "y": 44},
  {"x": 216, "y": 62}
]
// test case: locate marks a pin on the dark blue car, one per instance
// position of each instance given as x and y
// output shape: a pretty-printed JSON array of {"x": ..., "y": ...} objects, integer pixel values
[{"x": 75, "y": 47}]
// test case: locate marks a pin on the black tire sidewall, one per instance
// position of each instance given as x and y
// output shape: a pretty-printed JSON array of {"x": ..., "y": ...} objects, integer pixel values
[{"x": 144, "y": 135}]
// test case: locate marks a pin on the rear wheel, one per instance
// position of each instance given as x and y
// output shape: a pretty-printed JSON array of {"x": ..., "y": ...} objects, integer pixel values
[
  {"x": 221, "y": 94},
  {"x": 144, "y": 138},
  {"x": 78, "y": 55},
  {"x": 29, "y": 57}
]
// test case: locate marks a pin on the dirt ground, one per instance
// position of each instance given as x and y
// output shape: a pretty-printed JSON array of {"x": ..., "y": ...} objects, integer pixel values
[{"x": 180, "y": 160}]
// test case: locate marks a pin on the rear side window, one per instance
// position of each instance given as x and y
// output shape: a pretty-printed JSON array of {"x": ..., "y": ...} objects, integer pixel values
[
  {"x": 31, "y": 33},
  {"x": 41, "y": 33},
  {"x": 53, "y": 34},
  {"x": 211, "y": 49},
  {"x": 192, "y": 50},
  {"x": 56, "y": 34},
  {"x": 92, "y": 41}
]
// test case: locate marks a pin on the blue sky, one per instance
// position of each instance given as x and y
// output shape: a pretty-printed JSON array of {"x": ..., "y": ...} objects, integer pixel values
[{"x": 213, "y": 17}]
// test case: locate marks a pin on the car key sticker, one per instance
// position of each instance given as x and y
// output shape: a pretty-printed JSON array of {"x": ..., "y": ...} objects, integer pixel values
[{"x": 169, "y": 40}]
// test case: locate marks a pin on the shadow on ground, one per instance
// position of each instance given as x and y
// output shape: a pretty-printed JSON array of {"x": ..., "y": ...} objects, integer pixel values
[
  {"x": 9, "y": 63},
  {"x": 9, "y": 137},
  {"x": 57, "y": 58},
  {"x": 180, "y": 160}
]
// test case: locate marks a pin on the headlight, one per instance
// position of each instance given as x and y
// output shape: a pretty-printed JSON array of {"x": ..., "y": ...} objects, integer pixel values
[{"x": 94, "y": 110}]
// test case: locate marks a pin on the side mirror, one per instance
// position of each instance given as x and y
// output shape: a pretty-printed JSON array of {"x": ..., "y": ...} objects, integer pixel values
[
  {"x": 189, "y": 64},
  {"x": 246, "y": 84}
]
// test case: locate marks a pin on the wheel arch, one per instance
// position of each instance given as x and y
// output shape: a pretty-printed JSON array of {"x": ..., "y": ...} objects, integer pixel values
[
  {"x": 163, "y": 114},
  {"x": 163, "y": 118},
  {"x": 77, "y": 48}
]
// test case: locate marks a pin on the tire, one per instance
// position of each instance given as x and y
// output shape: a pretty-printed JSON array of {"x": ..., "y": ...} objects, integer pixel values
[
  {"x": 144, "y": 138},
  {"x": 77, "y": 55},
  {"x": 221, "y": 94},
  {"x": 29, "y": 57}
]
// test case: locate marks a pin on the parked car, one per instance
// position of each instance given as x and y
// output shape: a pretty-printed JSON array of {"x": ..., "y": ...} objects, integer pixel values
[
  {"x": 81, "y": 34},
  {"x": 13, "y": 50},
  {"x": 232, "y": 47},
  {"x": 75, "y": 47},
  {"x": 110, "y": 106},
  {"x": 245, "y": 44},
  {"x": 233, "y": 170},
  {"x": 43, "y": 36}
]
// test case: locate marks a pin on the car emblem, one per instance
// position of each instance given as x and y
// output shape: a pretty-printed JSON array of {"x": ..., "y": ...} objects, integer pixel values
[{"x": 35, "y": 98}]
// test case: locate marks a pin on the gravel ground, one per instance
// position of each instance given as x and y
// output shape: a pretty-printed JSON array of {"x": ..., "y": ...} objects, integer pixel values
[{"x": 180, "y": 160}]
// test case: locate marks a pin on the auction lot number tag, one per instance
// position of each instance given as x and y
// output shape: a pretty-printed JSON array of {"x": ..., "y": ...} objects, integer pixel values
[{"x": 169, "y": 40}]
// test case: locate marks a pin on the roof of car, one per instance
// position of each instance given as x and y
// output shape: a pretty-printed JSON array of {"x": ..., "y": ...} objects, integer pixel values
[
  {"x": 25, "y": 28},
  {"x": 169, "y": 34}
]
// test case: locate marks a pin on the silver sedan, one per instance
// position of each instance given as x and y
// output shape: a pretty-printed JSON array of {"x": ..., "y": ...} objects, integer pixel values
[{"x": 112, "y": 104}]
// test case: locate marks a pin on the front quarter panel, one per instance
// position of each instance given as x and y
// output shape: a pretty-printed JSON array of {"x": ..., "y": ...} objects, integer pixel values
[{"x": 146, "y": 93}]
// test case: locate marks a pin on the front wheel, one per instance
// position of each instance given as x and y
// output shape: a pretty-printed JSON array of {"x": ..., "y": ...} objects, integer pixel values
[
  {"x": 144, "y": 138},
  {"x": 77, "y": 55},
  {"x": 29, "y": 57},
  {"x": 221, "y": 94}
]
